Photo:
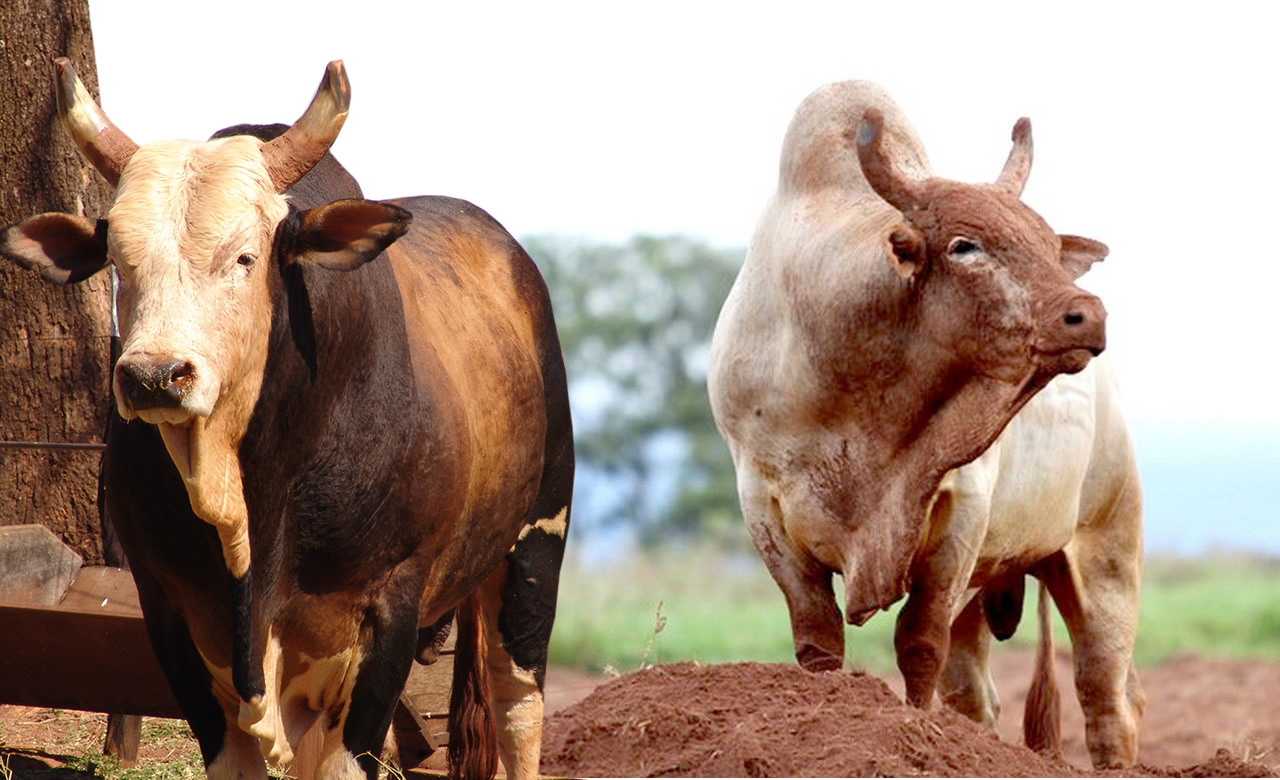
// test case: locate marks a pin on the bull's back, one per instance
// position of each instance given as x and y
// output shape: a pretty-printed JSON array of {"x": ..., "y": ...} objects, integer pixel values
[{"x": 480, "y": 327}]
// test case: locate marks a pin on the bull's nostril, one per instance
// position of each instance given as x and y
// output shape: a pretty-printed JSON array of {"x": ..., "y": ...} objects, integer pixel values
[
  {"x": 1074, "y": 318},
  {"x": 179, "y": 378},
  {"x": 128, "y": 387}
]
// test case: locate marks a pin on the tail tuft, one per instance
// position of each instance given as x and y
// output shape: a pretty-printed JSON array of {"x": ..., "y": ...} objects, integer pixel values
[
  {"x": 473, "y": 739},
  {"x": 1042, "y": 718}
]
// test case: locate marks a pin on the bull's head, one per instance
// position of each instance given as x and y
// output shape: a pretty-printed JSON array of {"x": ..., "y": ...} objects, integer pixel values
[
  {"x": 996, "y": 315},
  {"x": 985, "y": 255},
  {"x": 191, "y": 229},
  {"x": 192, "y": 234}
]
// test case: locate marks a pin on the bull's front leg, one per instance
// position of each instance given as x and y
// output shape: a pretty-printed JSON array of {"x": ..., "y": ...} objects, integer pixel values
[
  {"x": 939, "y": 576},
  {"x": 816, "y": 624},
  {"x": 922, "y": 640}
]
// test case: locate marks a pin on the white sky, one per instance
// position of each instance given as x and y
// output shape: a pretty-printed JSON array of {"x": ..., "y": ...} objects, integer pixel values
[{"x": 1156, "y": 130}]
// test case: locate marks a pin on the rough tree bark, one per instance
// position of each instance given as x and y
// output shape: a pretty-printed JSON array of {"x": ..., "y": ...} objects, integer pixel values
[{"x": 54, "y": 341}]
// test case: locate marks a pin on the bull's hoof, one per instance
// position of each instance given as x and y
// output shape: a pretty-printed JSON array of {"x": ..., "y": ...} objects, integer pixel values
[{"x": 816, "y": 659}]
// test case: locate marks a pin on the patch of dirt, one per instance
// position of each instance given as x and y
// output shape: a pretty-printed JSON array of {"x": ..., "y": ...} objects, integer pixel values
[
  {"x": 40, "y": 743},
  {"x": 1195, "y": 706},
  {"x": 761, "y": 720},
  {"x": 1205, "y": 718}
]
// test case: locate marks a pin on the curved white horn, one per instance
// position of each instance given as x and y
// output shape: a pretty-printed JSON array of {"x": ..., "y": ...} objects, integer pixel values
[
  {"x": 98, "y": 138},
  {"x": 1018, "y": 167}
]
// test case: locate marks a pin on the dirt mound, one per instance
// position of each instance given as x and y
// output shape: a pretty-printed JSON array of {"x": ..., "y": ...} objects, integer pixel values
[{"x": 768, "y": 720}]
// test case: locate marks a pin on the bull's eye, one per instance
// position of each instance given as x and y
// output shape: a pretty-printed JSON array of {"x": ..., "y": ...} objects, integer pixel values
[
  {"x": 247, "y": 260},
  {"x": 962, "y": 246}
]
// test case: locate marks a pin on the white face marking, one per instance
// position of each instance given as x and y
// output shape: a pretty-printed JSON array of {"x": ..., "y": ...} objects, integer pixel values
[
  {"x": 184, "y": 216},
  {"x": 190, "y": 235}
]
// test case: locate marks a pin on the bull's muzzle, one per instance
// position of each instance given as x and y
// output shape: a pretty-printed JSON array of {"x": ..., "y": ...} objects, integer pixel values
[
  {"x": 1075, "y": 332},
  {"x": 153, "y": 383},
  {"x": 1084, "y": 324}
]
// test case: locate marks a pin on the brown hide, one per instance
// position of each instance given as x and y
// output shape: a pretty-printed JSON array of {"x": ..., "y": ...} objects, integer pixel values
[{"x": 338, "y": 419}]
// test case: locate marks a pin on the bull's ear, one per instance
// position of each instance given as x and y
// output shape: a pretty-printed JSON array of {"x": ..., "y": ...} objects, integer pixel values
[
  {"x": 1079, "y": 254},
  {"x": 906, "y": 251},
  {"x": 346, "y": 234},
  {"x": 65, "y": 249}
]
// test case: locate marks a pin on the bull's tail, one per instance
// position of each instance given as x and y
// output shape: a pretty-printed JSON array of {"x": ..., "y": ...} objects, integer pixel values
[
  {"x": 1042, "y": 719},
  {"x": 473, "y": 740}
]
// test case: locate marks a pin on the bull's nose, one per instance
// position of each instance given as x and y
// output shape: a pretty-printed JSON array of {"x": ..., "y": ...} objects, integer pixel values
[
  {"x": 154, "y": 383},
  {"x": 1085, "y": 322}
]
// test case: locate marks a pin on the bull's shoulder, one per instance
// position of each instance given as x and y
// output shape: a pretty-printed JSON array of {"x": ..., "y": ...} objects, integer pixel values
[{"x": 469, "y": 288}]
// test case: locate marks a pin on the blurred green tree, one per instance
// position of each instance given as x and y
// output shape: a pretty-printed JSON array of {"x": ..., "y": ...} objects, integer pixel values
[{"x": 635, "y": 323}]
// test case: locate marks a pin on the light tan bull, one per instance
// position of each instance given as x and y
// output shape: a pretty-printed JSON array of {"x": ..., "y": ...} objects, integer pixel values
[{"x": 886, "y": 326}]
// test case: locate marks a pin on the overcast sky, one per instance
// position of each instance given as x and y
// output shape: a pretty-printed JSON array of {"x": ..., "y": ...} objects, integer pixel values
[{"x": 1155, "y": 130}]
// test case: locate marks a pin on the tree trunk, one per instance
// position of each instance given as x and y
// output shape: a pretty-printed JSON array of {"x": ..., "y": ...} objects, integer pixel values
[{"x": 54, "y": 341}]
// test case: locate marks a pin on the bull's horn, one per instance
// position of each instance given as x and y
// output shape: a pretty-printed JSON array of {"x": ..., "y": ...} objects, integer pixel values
[
  {"x": 1018, "y": 167},
  {"x": 290, "y": 156},
  {"x": 99, "y": 140},
  {"x": 879, "y": 167}
]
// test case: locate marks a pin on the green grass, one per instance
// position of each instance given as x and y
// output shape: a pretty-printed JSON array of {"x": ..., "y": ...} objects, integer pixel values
[
  {"x": 1226, "y": 606},
  {"x": 714, "y": 609}
]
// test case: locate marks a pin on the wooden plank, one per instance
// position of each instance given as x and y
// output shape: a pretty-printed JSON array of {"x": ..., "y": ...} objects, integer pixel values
[
  {"x": 35, "y": 566},
  {"x": 104, "y": 588},
  {"x": 124, "y": 732},
  {"x": 421, "y": 721},
  {"x": 81, "y": 660},
  {"x": 438, "y": 728},
  {"x": 413, "y": 739},
  {"x": 428, "y": 687}
]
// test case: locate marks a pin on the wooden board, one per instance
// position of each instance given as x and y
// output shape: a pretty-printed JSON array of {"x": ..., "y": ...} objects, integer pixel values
[
  {"x": 428, "y": 692},
  {"x": 81, "y": 659},
  {"x": 35, "y": 566}
]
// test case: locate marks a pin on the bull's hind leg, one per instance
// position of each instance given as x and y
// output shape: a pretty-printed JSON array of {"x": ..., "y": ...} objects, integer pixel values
[
  {"x": 519, "y": 605},
  {"x": 966, "y": 685},
  {"x": 354, "y": 740},
  {"x": 1096, "y": 590}
]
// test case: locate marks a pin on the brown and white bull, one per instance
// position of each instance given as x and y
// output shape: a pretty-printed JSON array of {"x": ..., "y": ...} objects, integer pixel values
[
  {"x": 341, "y": 422},
  {"x": 886, "y": 326}
]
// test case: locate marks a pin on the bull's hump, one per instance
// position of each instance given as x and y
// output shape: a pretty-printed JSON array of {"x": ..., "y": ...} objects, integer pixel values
[{"x": 820, "y": 149}]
